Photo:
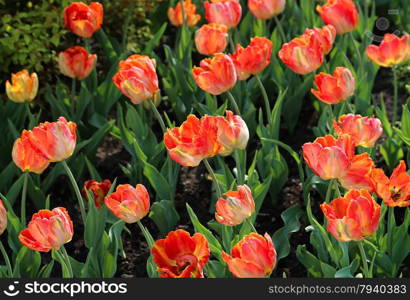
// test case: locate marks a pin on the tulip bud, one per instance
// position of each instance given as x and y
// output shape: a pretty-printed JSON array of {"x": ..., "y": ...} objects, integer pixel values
[
  {"x": 75, "y": 62},
  {"x": 266, "y": 9},
  {"x": 211, "y": 39},
  {"x": 391, "y": 52},
  {"x": 82, "y": 19},
  {"x": 226, "y": 12},
  {"x": 342, "y": 14},
  {"x": 23, "y": 87},
  {"x": 232, "y": 133},
  {"x": 176, "y": 15}
]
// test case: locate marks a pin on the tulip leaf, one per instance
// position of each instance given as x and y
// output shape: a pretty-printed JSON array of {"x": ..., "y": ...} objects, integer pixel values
[
  {"x": 348, "y": 272},
  {"x": 165, "y": 216},
  {"x": 27, "y": 263},
  {"x": 314, "y": 266}
]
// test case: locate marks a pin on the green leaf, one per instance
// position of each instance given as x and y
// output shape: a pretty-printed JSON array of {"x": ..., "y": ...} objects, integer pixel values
[
  {"x": 27, "y": 263},
  {"x": 165, "y": 216},
  {"x": 348, "y": 272}
]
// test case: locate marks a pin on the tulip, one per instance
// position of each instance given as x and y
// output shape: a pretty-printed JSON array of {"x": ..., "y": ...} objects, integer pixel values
[
  {"x": 358, "y": 174},
  {"x": 395, "y": 191},
  {"x": 98, "y": 189},
  {"x": 137, "y": 78},
  {"x": 3, "y": 218},
  {"x": 253, "y": 257},
  {"x": 23, "y": 87},
  {"x": 391, "y": 52},
  {"x": 75, "y": 62},
  {"x": 342, "y": 14},
  {"x": 364, "y": 131},
  {"x": 252, "y": 59},
  {"x": 226, "y": 12},
  {"x": 232, "y": 133},
  {"x": 326, "y": 35},
  {"x": 48, "y": 229},
  {"x": 333, "y": 89},
  {"x": 215, "y": 75},
  {"x": 352, "y": 217},
  {"x": 193, "y": 141},
  {"x": 176, "y": 15},
  {"x": 266, "y": 9},
  {"x": 82, "y": 19},
  {"x": 128, "y": 203},
  {"x": 329, "y": 158},
  {"x": 181, "y": 256},
  {"x": 211, "y": 38}
]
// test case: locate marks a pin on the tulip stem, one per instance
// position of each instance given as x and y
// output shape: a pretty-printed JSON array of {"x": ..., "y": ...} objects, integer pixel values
[
  {"x": 146, "y": 234},
  {"x": 281, "y": 32},
  {"x": 73, "y": 88},
  {"x": 212, "y": 173},
  {"x": 251, "y": 225},
  {"x": 62, "y": 260},
  {"x": 265, "y": 98},
  {"x": 238, "y": 166},
  {"x": 390, "y": 226},
  {"x": 359, "y": 56},
  {"x": 24, "y": 199},
  {"x": 329, "y": 191},
  {"x": 6, "y": 259},
  {"x": 76, "y": 190},
  {"x": 233, "y": 103},
  {"x": 395, "y": 97},
  {"x": 131, "y": 9},
  {"x": 364, "y": 259},
  {"x": 231, "y": 42},
  {"x": 158, "y": 116},
  {"x": 67, "y": 259}
]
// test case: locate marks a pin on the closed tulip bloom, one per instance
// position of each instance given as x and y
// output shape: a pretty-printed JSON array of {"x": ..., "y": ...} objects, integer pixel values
[
  {"x": 329, "y": 158},
  {"x": 226, "y": 12},
  {"x": 137, "y": 78},
  {"x": 98, "y": 189},
  {"x": 23, "y": 87},
  {"x": 342, "y": 14},
  {"x": 391, "y": 52},
  {"x": 232, "y": 133},
  {"x": 193, "y": 141},
  {"x": 359, "y": 174},
  {"x": 395, "y": 191},
  {"x": 76, "y": 62},
  {"x": 3, "y": 218},
  {"x": 266, "y": 9},
  {"x": 48, "y": 229},
  {"x": 128, "y": 203},
  {"x": 175, "y": 15},
  {"x": 252, "y": 59},
  {"x": 82, "y": 19},
  {"x": 352, "y": 217},
  {"x": 215, "y": 75},
  {"x": 236, "y": 208},
  {"x": 211, "y": 38},
  {"x": 181, "y": 256},
  {"x": 252, "y": 257},
  {"x": 333, "y": 89},
  {"x": 326, "y": 35},
  {"x": 364, "y": 131}
]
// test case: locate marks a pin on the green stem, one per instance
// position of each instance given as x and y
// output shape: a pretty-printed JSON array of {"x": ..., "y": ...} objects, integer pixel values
[
  {"x": 233, "y": 103},
  {"x": 336, "y": 183},
  {"x": 29, "y": 114},
  {"x": 265, "y": 99},
  {"x": 67, "y": 259},
  {"x": 251, "y": 224},
  {"x": 158, "y": 116},
  {"x": 211, "y": 171},
  {"x": 130, "y": 13},
  {"x": 238, "y": 166},
  {"x": 146, "y": 234},
  {"x": 73, "y": 88},
  {"x": 76, "y": 190},
  {"x": 231, "y": 42},
  {"x": 390, "y": 226},
  {"x": 63, "y": 262},
  {"x": 279, "y": 25},
  {"x": 329, "y": 191},
  {"x": 359, "y": 56},
  {"x": 24, "y": 199},
  {"x": 396, "y": 95},
  {"x": 364, "y": 259},
  {"x": 183, "y": 13},
  {"x": 6, "y": 259}
]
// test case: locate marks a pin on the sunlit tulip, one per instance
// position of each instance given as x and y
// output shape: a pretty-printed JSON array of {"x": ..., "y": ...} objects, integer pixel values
[
  {"x": 236, "y": 207},
  {"x": 395, "y": 191},
  {"x": 211, "y": 38},
  {"x": 266, "y": 9},
  {"x": 3, "y": 218},
  {"x": 48, "y": 229},
  {"x": 352, "y": 217},
  {"x": 215, "y": 75},
  {"x": 358, "y": 174},
  {"x": 76, "y": 62},
  {"x": 326, "y": 35},
  {"x": 329, "y": 158},
  {"x": 253, "y": 257},
  {"x": 232, "y": 133},
  {"x": 176, "y": 15},
  {"x": 23, "y": 86},
  {"x": 137, "y": 78},
  {"x": 82, "y": 19},
  {"x": 391, "y": 52},
  {"x": 226, "y": 12},
  {"x": 128, "y": 203},
  {"x": 364, "y": 131},
  {"x": 333, "y": 89},
  {"x": 342, "y": 14},
  {"x": 193, "y": 141},
  {"x": 252, "y": 59},
  {"x": 181, "y": 256},
  {"x": 98, "y": 189}
]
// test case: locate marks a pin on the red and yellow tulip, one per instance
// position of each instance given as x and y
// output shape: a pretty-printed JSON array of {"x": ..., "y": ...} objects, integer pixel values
[
  {"x": 82, "y": 19},
  {"x": 266, "y": 9},
  {"x": 226, "y": 12},
  {"x": 391, "y": 52},
  {"x": 211, "y": 38},
  {"x": 98, "y": 189},
  {"x": 23, "y": 87},
  {"x": 76, "y": 62},
  {"x": 232, "y": 133},
  {"x": 342, "y": 14},
  {"x": 176, "y": 15},
  {"x": 3, "y": 218}
]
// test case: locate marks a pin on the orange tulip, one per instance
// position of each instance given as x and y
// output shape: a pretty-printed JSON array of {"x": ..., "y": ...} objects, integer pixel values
[
  {"x": 75, "y": 62},
  {"x": 333, "y": 89},
  {"x": 391, "y": 52},
  {"x": 352, "y": 217},
  {"x": 98, "y": 189},
  {"x": 253, "y": 257},
  {"x": 342, "y": 14},
  {"x": 193, "y": 141},
  {"x": 364, "y": 131},
  {"x": 252, "y": 59},
  {"x": 137, "y": 78},
  {"x": 82, "y": 19},
  {"x": 175, "y": 15},
  {"x": 226, "y": 12},
  {"x": 181, "y": 256},
  {"x": 395, "y": 191},
  {"x": 358, "y": 174},
  {"x": 329, "y": 158},
  {"x": 326, "y": 35},
  {"x": 266, "y": 9},
  {"x": 128, "y": 203},
  {"x": 3, "y": 218},
  {"x": 236, "y": 208},
  {"x": 48, "y": 229},
  {"x": 215, "y": 75},
  {"x": 23, "y": 87},
  {"x": 211, "y": 38},
  {"x": 232, "y": 133}
]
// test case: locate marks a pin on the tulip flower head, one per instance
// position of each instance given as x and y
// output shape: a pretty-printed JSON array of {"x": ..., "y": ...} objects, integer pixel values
[
  {"x": 211, "y": 38},
  {"x": 252, "y": 257},
  {"x": 48, "y": 229},
  {"x": 82, "y": 19},
  {"x": 326, "y": 35},
  {"x": 226, "y": 12},
  {"x": 232, "y": 133},
  {"x": 342, "y": 14},
  {"x": 76, "y": 62},
  {"x": 23, "y": 87},
  {"x": 266, "y": 9},
  {"x": 98, "y": 189},
  {"x": 391, "y": 52},
  {"x": 176, "y": 15},
  {"x": 359, "y": 174},
  {"x": 181, "y": 256},
  {"x": 3, "y": 218},
  {"x": 352, "y": 217}
]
